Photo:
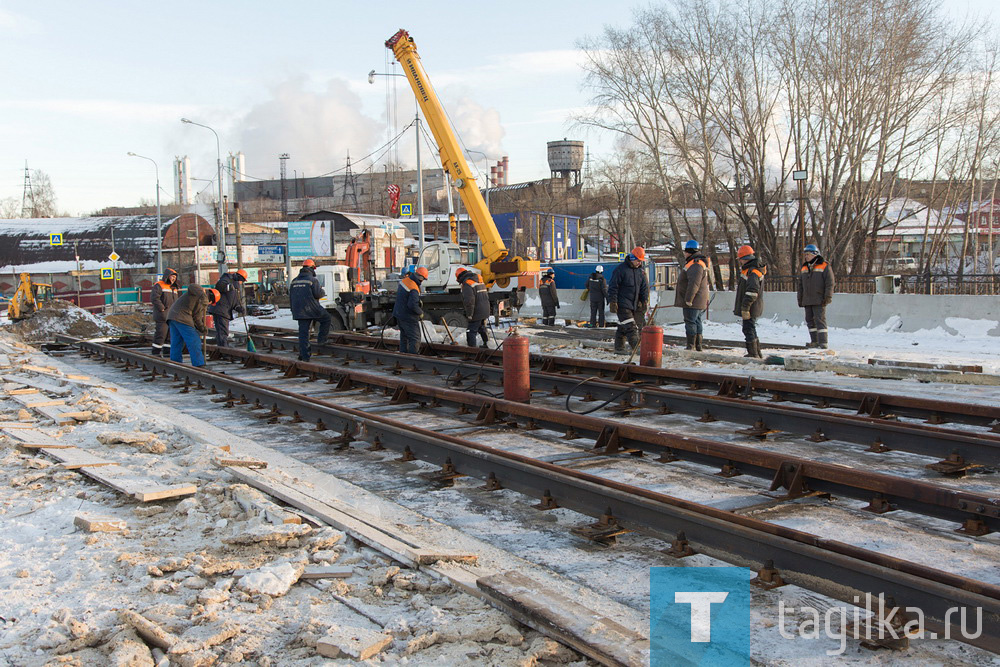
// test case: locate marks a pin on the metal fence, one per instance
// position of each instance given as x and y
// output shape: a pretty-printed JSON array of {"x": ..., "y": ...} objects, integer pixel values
[{"x": 974, "y": 284}]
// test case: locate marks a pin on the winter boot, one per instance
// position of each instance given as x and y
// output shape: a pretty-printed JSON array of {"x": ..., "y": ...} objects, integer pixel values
[
  {"x": 633, "y": 340},
  {"x": 822, "y": 340},
  {"x": 756, "y": 349},
  {"x": 620, "y": 344},
  {"x": 812, "y": 340},
  {"x": 697, "y": 342},
  {"x": 690, "y": 342},
  {"x": 749, "y": 347}
]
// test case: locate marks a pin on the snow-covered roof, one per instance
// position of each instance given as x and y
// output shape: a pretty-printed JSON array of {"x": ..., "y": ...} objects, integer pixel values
[
  {"x": 907, "y": 217},
  {"x": 25, "y": 243}
]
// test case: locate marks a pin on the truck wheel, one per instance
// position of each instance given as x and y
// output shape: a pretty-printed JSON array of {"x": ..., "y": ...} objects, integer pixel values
[
  {"x": 336, "y": 323},
  {"x": 455, "y": 319}
]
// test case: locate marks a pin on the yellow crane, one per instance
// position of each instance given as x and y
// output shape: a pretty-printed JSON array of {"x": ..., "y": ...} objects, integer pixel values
[
  {"x": 27, "y": 298},
  {"x": 496, "y": 266}
]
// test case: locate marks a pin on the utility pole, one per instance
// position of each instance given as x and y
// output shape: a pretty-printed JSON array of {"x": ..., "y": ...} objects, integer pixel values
[
  {"x": 800, "y": 176},
  {"x": 420, "y": 188},
  {"x": 239, "y": 237},
  {"x": 28, "y": 196}
]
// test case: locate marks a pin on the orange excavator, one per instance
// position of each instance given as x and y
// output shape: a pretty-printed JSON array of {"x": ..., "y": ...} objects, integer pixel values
[
  {"x": 359, "y": 263},
  {"x": 29, "y": 297}
]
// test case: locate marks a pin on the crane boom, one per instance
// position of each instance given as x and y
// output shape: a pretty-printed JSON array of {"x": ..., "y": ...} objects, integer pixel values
[{"x": 496, "y": 265}]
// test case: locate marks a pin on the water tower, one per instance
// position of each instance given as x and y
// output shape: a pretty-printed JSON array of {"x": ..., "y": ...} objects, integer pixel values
[{"x": 566, "y": 160}]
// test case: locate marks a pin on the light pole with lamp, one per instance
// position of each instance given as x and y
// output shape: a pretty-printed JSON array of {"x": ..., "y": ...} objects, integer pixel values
[
  {"x": 420, "y": 174},
  {"x": 220, "y": 232},
  {"x": 197, "y": 240},
  {"x": 159, "y": 220},
  {"x": 479, "y": 241}
]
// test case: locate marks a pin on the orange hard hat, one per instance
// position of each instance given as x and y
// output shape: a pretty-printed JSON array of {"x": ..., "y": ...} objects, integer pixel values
[
  {"x": 213, "y": 295},
  {"x": 744, "y": 251},
  {"x": 422, "y": 272},
  {"x": 242, "y": 273},
  {"x": 640, "y": 253},
  {"x": 309, "y": 263},
  {"x": 459, "y": 271}
]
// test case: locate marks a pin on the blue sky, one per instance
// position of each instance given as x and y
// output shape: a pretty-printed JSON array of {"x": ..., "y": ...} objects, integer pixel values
[{"x": 84, "y": 83}]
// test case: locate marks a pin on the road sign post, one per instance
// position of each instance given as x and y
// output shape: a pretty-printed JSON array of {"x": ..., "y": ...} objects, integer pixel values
[{"x": 56, "y": 238}]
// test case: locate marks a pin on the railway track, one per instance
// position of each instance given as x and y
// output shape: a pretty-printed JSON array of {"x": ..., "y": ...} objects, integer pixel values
[
  {"x": 736, "y": 400},
  {"x": 608, "y": 333},
  {"x": 826, "y": 566}
]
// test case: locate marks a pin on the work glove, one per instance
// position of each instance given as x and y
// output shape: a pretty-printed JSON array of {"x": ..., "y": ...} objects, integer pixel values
[
  {"x": 745, "y": 314},
  {"x": 689, "y": 304},
  {"x": 827, "y": 302},
  {"x": 614, "y": 306}
]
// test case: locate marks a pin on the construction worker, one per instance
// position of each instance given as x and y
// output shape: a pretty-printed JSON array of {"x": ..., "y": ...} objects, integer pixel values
[
  {"x": 815, "y": 292},
  {"x": 597, "y": 288},
  {"x": 187, "y": 320},
  {"x": 627, "y": 292},
  {"x": 750, "y": 297},
  {"x": 550, "y": 297},
  {"x": 691, "y": 294},
  {"x": 476, "y": 301},
  {"x": 304, "y": 294},
  {"x": 165, "y": 293},
  {"x": 407, "y": 310},
  {"x": 230, "y": 289}
]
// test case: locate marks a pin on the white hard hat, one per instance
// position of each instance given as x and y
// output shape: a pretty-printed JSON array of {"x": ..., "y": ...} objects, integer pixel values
[{"x": 599, "y": 269}]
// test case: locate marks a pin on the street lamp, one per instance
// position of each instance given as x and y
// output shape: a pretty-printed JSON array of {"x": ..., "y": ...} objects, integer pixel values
[
  {"x": 220, "y": 233},
  {"x": 159, "y": 220},
  {"x": 479, "y": 241},
  {"x": 420, "y": 175}
]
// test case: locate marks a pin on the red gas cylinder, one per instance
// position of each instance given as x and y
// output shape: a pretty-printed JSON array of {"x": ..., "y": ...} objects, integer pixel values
[
  {"x": 516, "y": 372},
  {"x": 651, "y": 346}
]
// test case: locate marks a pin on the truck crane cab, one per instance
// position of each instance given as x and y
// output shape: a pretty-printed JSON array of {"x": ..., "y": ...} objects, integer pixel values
[{"x": 441, "y": 258}]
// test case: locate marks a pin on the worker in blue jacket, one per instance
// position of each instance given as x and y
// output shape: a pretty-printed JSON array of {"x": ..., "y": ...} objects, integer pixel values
[
  {"x": 407, "y": 310},
  {"x": 628, "y": 294},
  {"x": 303, "y": 296}
]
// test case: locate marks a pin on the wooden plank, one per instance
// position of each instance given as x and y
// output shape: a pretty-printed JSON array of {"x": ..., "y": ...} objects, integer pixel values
[
  {"x": 577, "y": 626},
  {"x": 93, "y": 523},
  {"x": 45, "y": 404},
  {"x": 29, "y": 433},
  {"x": 4, "y": 426},
  {"x": 73, "y": 458},
  {"x": 41, "y": 385},
  {"x": 31, "y": 445},
  {"x": 401, "y": 549},
  {"x": 141, "y": 488},
  {"x": 906, "y": 363},
  {"x": 327, "y": 572}
]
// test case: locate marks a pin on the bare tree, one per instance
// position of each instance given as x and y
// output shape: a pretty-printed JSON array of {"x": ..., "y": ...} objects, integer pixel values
[
  {"x": 10, "y": 207},
  {"x": 44, "y": 195}
]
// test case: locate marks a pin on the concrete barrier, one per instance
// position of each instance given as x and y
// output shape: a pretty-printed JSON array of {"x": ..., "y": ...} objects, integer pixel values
[{"x": 912, "y": 312}]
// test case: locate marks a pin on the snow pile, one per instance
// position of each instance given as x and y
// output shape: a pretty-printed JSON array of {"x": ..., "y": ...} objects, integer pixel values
[{"x": 62, "y": 317}]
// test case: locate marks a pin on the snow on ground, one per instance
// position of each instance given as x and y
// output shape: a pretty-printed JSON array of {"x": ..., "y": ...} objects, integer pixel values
[
  {"x": 621, "y": 573},
  {"x": 209, "y": 569}
]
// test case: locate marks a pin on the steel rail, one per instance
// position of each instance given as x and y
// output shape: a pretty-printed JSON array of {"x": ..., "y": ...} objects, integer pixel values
[
  {"x": 842, "y": 571},
  {"x": 874, "y": 404},
  {"x": 879, "y": 435},
  {"x": 978, "y": 514}
]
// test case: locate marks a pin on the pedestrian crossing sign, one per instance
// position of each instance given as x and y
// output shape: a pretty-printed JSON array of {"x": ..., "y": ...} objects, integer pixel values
[
  {"x": 55, "y": 239},
  {"x": 118, "y": 275},
  {"x": 406, "y": 209},
  {"x": 621, "y": 257},
  {"x": 106, "y": 274}
]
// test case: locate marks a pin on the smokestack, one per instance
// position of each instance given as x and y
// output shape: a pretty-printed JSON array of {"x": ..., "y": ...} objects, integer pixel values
[
  {"x": 506, "y": 170},
  {"x": 493, "y": 177}
]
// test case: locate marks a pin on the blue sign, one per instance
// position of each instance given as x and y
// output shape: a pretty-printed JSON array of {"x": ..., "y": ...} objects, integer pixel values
[
  {"x": 299, "y": 238},
  {"x": 621, "y": 257},
  {"x": 406, "y": 209},
  {"x": 106, "y": 274},
  {"x": 270, "y": 250},
  {"x": 699, "y": 616},
  {"x": 55, "y": 239}
]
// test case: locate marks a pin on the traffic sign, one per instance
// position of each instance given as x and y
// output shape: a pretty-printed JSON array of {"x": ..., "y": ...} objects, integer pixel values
[
  {"x": 114, "y": 257},
  {"x": 621, "y": 257},
  {"x": 118, "y": 275},
  {"x": 406, "y": 209},
  {"x": 106, "y": 273},
  {"x": 55, "y": 239}
]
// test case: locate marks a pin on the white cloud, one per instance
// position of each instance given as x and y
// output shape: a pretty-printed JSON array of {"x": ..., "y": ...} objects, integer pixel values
[{"x": 11, "y": 22}]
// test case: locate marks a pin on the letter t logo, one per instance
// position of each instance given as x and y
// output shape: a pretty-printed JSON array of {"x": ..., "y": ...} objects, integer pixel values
[{"x": 701, "y": 611}]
